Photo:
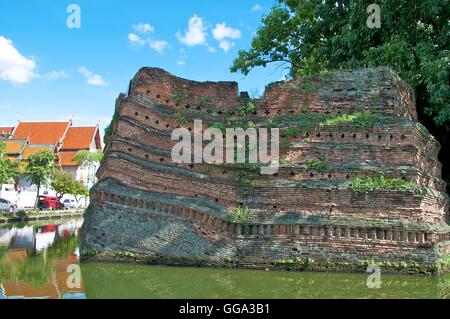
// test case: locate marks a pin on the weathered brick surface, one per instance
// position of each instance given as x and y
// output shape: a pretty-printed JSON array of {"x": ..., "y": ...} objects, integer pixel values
[{"x": 301, "y": 217}]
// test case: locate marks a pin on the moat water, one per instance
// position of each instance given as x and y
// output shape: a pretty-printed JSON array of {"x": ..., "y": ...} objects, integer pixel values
[{"x": 41, "y": 260}]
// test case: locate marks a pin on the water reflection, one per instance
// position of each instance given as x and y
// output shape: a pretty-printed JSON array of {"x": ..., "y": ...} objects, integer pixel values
[{"x": 34, "y": 259}]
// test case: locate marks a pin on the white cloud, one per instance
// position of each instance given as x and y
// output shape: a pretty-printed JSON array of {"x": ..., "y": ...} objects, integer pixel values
[
  {"x": 181, "y": 62},
  {"x": 256, "y": 8},
  {"x": 226, "y": 45},
  {"x": 135, "y": 39},
  {"x": 143, "y": 28},
  {"x": 211, "y": 49},
  {"x": 14, "y": 67},
  {"x": 91, "y": 78},
  {"x": 195, "y": 35},
  {"x": 158, "y": 45},
  {"x": 221, "y": 32},
  {"x": 54, "y": 75}
]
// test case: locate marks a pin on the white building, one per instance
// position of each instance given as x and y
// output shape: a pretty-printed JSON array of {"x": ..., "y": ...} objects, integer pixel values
[{"x": 62, "y": 138}]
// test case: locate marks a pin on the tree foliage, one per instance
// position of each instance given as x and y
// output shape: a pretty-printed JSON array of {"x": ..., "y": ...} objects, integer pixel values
[
  {"x": 87, "y": 158},
  {"x": 9, "y": 169},
  {"x": 313, "y": 36},
  {"x": 40, "y": 167},
  {"x": 64, "y": 183}
]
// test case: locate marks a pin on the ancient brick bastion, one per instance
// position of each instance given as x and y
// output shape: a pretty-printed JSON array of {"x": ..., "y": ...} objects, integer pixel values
[{"x": 359, "y": 181}]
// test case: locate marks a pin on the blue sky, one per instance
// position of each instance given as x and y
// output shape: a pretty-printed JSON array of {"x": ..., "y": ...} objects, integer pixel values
[{"x": 51, "y": 72}]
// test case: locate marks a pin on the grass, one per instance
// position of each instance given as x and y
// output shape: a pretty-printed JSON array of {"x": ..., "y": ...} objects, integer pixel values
[
  {"x": 203, "y": 101},
  {"x": 316, "y": 164},
  {"x": 176, "y": 97},
  {"x": 379, "y": 182},
  {"x": 290, "y": 132},
  {"x": 246, "y": 108},
  {"x": 362, "y": 120},
  {"x": 240, "y": 215}
]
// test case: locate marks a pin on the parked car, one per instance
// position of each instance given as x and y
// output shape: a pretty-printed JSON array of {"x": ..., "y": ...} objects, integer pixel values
[
  {"x": 7, "y": 206},
  {"x": 69, "y": 203},
  {"x": 50, "y": 203}
]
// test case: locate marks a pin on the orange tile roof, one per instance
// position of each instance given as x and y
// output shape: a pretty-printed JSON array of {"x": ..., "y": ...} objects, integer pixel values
[
  {"x": 66, "y": 158},
  {"x": 33, "y": 149},
  {"x": 15, "y": 146},
  {"x": 79, "y": 137},
  {"x": 7, "y": 130},
  {"x": 41, "y": 132}
]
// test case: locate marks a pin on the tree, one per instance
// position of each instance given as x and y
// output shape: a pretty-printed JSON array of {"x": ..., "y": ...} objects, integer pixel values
[
  {"x": 64, "y": 183},
  {"x": 312, "y": 36},
  {"x": 89, "y": 160},
  {"x": 40, "y": 167},
  {"x": 9, "y": 170}
]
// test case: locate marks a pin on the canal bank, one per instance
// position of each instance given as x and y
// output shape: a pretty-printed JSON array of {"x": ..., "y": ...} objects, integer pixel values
[{"x": 29, "y": 216}]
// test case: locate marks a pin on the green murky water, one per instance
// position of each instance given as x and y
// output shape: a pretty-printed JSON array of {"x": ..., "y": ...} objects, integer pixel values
[{"x": 42, "y": 261}]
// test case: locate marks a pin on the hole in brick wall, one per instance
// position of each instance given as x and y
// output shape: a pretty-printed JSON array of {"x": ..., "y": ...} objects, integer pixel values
[
  {"x": 189, "y": 129},
  {"x": 347, "y": 177},
  {"x": 402, "y": 137},
  {"x": 391, "y": 137},
  {"x": 367, "y": 135},
  {"x": 311, "y": 174},
  {"x": 178, "y": 126},
  {"x": 146, "y": 156},
  {"x": 136, "y": 113},
  {"x": 191, "y": 166},
  {"x": 161, "y": 159},
  {"x": 196, "y": 195},
  {"x": 220, "y": 112},
  {"x": 329, "y": 175},
  {"x": 403, "y": 178},
  {"x": 278, "y": 112},
  {"x": 354, "y": 136},
  {"x": 338, "y": 112},
  {"x": 267, "y": 112},
  {"x": 158, "y": 96},
  {"x": 327, "y": 112},
  {"x": 379, "y": 137},
  {"x": 232, "y": 113},
  {"x": 209, "y": 111},
  {"x": 275, "y": 174},
  {"x": 148, "y": 91},
  {"x": 165, "y": 188},
  {"x": 254, "y": 112},
  {"x": 224, "y": 172},
  {"x": 167, "y": 101},
  {"x": 167, "y": 125},
  {"x": 156, "y": 122},
  {"x": 130, "y": 149},
  {"x": 292, "y": 173},
  {"x": 330, "y": 135},
  {"x": 291, "y": 111},
  {"x": 275, "y": 207},
  {"x": 306, "y": 134},
  {"x": 198, "y": 108},
  {"x": 342, "y": 135},
  {"x": 147, "y": 117},
  {"x": 318, "y": 134},
  {"x": 187, "y": 106},
  {"x": 241, "y": 204}
]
